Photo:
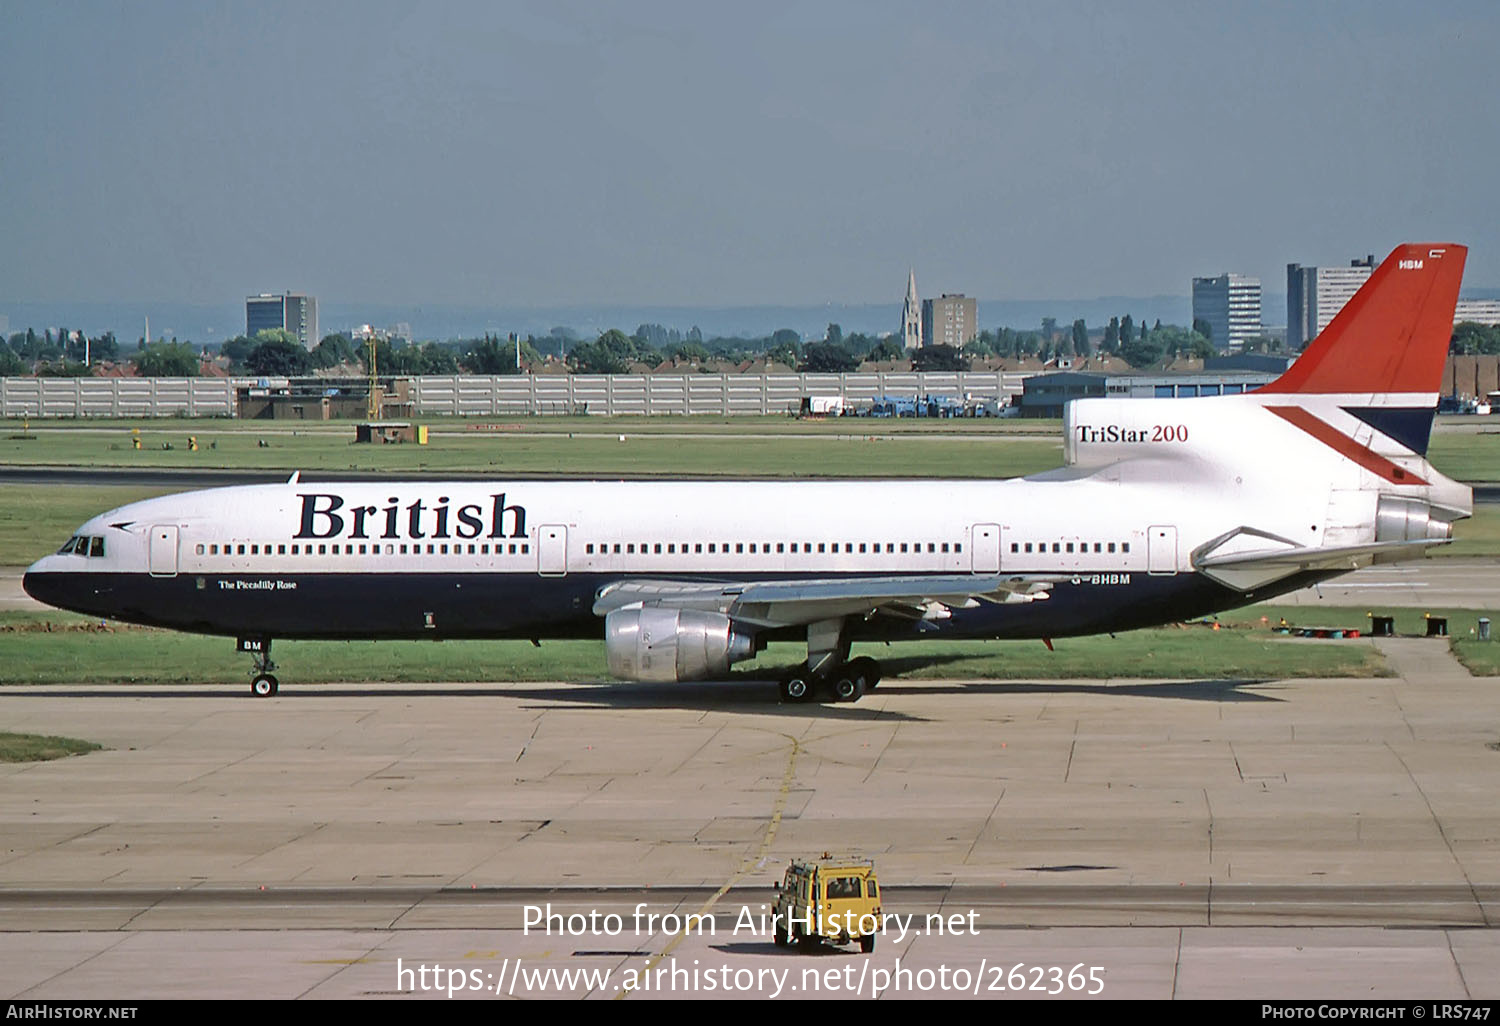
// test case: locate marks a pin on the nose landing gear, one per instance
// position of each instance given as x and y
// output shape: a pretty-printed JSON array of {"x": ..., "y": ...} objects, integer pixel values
[{"x": 263, "y": 684}]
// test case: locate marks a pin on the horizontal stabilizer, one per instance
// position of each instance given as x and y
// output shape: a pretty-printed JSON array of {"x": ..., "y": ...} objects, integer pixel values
[{"x": 1246, "y": 571}]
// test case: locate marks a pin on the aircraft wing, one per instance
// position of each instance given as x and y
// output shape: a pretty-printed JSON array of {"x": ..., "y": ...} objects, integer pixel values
[
  {"x": 1249, "y": 570},
  {"x": 795, "y": 602}
]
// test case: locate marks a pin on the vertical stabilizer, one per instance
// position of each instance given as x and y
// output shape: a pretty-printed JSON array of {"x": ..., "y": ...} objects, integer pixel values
[{"x": 1393, "y": 336}]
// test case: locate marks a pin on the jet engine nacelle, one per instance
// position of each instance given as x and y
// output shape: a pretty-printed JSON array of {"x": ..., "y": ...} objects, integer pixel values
[
  {"x": 660, "y": 646},
  {"x": 1398, "y": 519}
]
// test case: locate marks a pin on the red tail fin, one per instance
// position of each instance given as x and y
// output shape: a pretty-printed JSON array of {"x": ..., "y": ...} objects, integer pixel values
[{"x": 1393, "y": 335}]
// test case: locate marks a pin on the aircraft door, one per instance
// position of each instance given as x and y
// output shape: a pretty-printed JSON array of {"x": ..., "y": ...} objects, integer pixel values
[
  {"x": 163, "y": 559},
  {"x": 552, "y": 550},
  {"x": 984, "y": 548},
  {"x": 1161, "y": 549}
]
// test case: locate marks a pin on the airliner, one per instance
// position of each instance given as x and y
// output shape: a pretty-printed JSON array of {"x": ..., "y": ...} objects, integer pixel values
[{"x": 1164, "y": 509}]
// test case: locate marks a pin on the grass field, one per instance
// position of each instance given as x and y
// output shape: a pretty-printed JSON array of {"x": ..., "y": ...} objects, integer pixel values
[
  {"x": 738, "y": 446},
  {"x": 41, "y": 747},
  {"x": 603, "y": 453},
  {"x": 1481, "y": 658},
  {"x": 52, "y": 648}
]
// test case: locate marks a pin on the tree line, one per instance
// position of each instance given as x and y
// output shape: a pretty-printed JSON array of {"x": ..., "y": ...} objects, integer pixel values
[{"x": 278, "y": 353}]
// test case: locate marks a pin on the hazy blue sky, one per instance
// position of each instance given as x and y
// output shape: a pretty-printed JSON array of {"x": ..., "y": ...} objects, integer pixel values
[{"x": 699, "y": 153}]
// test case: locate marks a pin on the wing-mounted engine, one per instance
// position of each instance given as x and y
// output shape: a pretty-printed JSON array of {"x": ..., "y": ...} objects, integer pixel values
[{"x": 662, "y": 646}]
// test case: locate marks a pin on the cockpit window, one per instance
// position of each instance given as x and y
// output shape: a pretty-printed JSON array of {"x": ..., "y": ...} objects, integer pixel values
[{"x": 83, "y": 545}]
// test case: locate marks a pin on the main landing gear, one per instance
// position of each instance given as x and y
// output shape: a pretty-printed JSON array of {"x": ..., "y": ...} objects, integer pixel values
[
  {"x": 264, "y": 683},
  {"x": 829, "y": 673},
  {"x": 847, "y": 682}
]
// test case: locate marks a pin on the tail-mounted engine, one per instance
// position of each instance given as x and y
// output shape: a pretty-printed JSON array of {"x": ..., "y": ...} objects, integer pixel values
[
  {"x": 659, "y": 645},
  {"x": 1398, "y": 519}
]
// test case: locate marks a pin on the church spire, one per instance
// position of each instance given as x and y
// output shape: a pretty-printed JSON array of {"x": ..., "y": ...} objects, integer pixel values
[{"x": 911, "y": 314}]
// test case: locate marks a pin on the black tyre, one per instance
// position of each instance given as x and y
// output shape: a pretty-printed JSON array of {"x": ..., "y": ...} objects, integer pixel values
[
  {"x": 867, "y": 943},
  {"x": 796, "y": 688},
  {"x": 848, "y": 688},
  {"x": 866, "y": 669},
  {"x": 263, "y": 686}
]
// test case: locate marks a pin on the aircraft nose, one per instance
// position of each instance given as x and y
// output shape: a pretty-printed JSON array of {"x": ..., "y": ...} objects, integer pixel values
[{"x": 39, "y": 583}]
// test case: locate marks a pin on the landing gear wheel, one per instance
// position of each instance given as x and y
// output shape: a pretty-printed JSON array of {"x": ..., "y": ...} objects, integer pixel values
[
  {"x": 866, "y": 669},
  {"x": 264, "y": 685},
  {"x": 848, "y": 688},
  {"x": 795, "y": 688}
]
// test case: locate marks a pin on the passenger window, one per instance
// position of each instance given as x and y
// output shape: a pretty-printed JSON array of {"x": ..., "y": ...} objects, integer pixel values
[
  {"x": 200, "y": 550},
  {"x": 1124, "y": 546},
  {"x": 1070, "y": 546},
  {"x": 322, "y": 549},
  {"x": 242, "y": 550},
  {"x": 710, "y": 546},
  {"x": 1013, "y": 547},
  {"x": 945, "y": 546},
  {"x": 1028, "y": 546},
  {"x": 1111, "y": 546},
  {"x": 589, "y": 549},
  {"x": 657, "y": 548}
]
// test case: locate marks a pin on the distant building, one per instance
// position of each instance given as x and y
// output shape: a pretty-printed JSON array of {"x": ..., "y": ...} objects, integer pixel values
[
  {"x": 294, "y": 313},
  {"x": 1044, "y": 395},
  {"x": 952, "y": 320},
  {"x": 1477, "y": 311},
  {"x": 1315, "y": 295},
  {"x": 911, "y": 315},
  {"x": 1230, "y": 303}
]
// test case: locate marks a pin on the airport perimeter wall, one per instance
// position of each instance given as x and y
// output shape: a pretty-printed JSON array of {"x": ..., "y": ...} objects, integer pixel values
[{"x": 515, "y": 395}]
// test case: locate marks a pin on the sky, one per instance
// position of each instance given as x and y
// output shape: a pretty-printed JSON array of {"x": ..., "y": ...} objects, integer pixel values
[{"x": 706, "y": 154}]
